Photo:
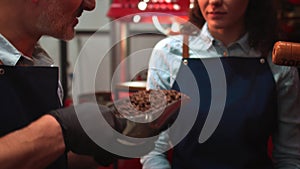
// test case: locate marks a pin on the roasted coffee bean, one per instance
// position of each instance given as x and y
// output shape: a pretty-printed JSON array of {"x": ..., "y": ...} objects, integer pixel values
[{"x": 146, "y": 101}]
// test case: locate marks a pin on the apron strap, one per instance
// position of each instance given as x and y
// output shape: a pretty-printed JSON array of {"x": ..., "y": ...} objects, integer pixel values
[{"x": 185, "y": 46}]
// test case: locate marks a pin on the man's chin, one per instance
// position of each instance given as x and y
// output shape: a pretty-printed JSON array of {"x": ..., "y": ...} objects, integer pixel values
[{"x": 68, "y": 37}]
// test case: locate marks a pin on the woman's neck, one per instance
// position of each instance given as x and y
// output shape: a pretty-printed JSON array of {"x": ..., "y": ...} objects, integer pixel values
[{"x": 227, "y": 35}]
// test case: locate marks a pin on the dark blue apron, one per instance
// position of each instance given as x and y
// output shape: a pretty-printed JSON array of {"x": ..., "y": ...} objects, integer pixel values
[
  {"x": 27, "y": 94},
  {"x": 248, "y": 120}
]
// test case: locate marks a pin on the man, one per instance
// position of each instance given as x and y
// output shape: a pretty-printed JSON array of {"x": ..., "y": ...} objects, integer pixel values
[
  {"x": 30, "y": 136},
  {"x": 23, "y": 22}
]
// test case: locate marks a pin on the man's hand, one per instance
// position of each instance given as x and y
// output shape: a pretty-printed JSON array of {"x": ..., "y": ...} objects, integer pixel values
[
  {"x": 123, "y": 125},
  {"x": 77, "y": 139}
]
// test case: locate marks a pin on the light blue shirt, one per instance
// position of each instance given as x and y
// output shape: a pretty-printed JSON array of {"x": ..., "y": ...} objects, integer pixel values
[{"x": 164, "y": 64}]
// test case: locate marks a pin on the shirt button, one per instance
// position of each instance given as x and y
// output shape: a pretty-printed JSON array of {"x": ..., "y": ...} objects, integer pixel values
[{"x": 262, "y": 60}]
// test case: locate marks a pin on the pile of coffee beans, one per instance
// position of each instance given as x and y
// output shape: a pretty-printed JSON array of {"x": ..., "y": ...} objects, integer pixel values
[{"x": 146, "y": 101}]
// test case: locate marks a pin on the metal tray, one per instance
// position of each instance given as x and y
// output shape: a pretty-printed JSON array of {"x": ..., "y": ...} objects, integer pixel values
[{"x": 156, "y": 117}]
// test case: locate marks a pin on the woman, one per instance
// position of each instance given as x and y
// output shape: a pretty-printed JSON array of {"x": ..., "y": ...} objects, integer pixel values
[{"x": 262, "y": 100}]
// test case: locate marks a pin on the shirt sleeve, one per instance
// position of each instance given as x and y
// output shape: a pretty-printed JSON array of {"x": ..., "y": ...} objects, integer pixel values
[
  {"x": 286, "y": 140},
  {"x": 163, "y": 67},
  {"x": 158, "y": 158}
]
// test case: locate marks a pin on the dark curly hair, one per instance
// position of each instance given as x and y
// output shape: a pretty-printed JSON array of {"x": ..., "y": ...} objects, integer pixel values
[{"x": 261, "y": 23}]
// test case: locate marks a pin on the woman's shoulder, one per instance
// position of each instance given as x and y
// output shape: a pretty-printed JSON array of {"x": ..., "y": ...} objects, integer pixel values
[
  {"x": 174, "y": 44},
  {"x": 168, "y": 48},
  {"x": 169, "y": 41}
]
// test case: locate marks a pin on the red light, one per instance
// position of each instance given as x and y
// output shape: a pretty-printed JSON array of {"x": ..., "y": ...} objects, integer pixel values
[{"x": 119, "y": 8}]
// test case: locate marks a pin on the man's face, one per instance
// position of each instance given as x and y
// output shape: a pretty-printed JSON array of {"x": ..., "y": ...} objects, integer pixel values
[{"x": 61, "y": 16}]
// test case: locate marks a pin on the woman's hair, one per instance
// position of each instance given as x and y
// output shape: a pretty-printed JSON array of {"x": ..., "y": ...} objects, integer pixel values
[{"x": 261, "y": 23}]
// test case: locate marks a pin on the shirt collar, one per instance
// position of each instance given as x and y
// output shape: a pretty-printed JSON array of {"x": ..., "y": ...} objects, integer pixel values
[
  {"x": 209, "y": 40},
  {"x": 9, "y": 55},
  {"x": 243, "y": 43},
  {"x": 203, "y": 41}
]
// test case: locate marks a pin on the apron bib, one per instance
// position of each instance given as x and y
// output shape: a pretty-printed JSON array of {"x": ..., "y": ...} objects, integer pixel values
[
  {"x": 247, "y": 118},
  {"x": 27, "y": 94}
]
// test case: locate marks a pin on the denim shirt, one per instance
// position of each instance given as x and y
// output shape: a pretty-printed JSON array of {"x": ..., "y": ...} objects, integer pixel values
[
  {"x": 10, "y": 56},
  {"x": 163, "y": 68}
]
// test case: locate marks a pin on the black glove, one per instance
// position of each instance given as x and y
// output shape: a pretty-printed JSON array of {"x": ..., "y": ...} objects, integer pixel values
[
  {"x": 80, "y": 122},
  {"x": 78, "y": 141}
]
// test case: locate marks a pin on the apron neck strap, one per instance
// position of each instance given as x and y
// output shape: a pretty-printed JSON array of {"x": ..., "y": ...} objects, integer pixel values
[{"x": 185, "y": 46}]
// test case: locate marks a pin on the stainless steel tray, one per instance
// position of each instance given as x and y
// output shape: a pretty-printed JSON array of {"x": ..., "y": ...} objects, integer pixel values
[{"x": 160, "y": 111}]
